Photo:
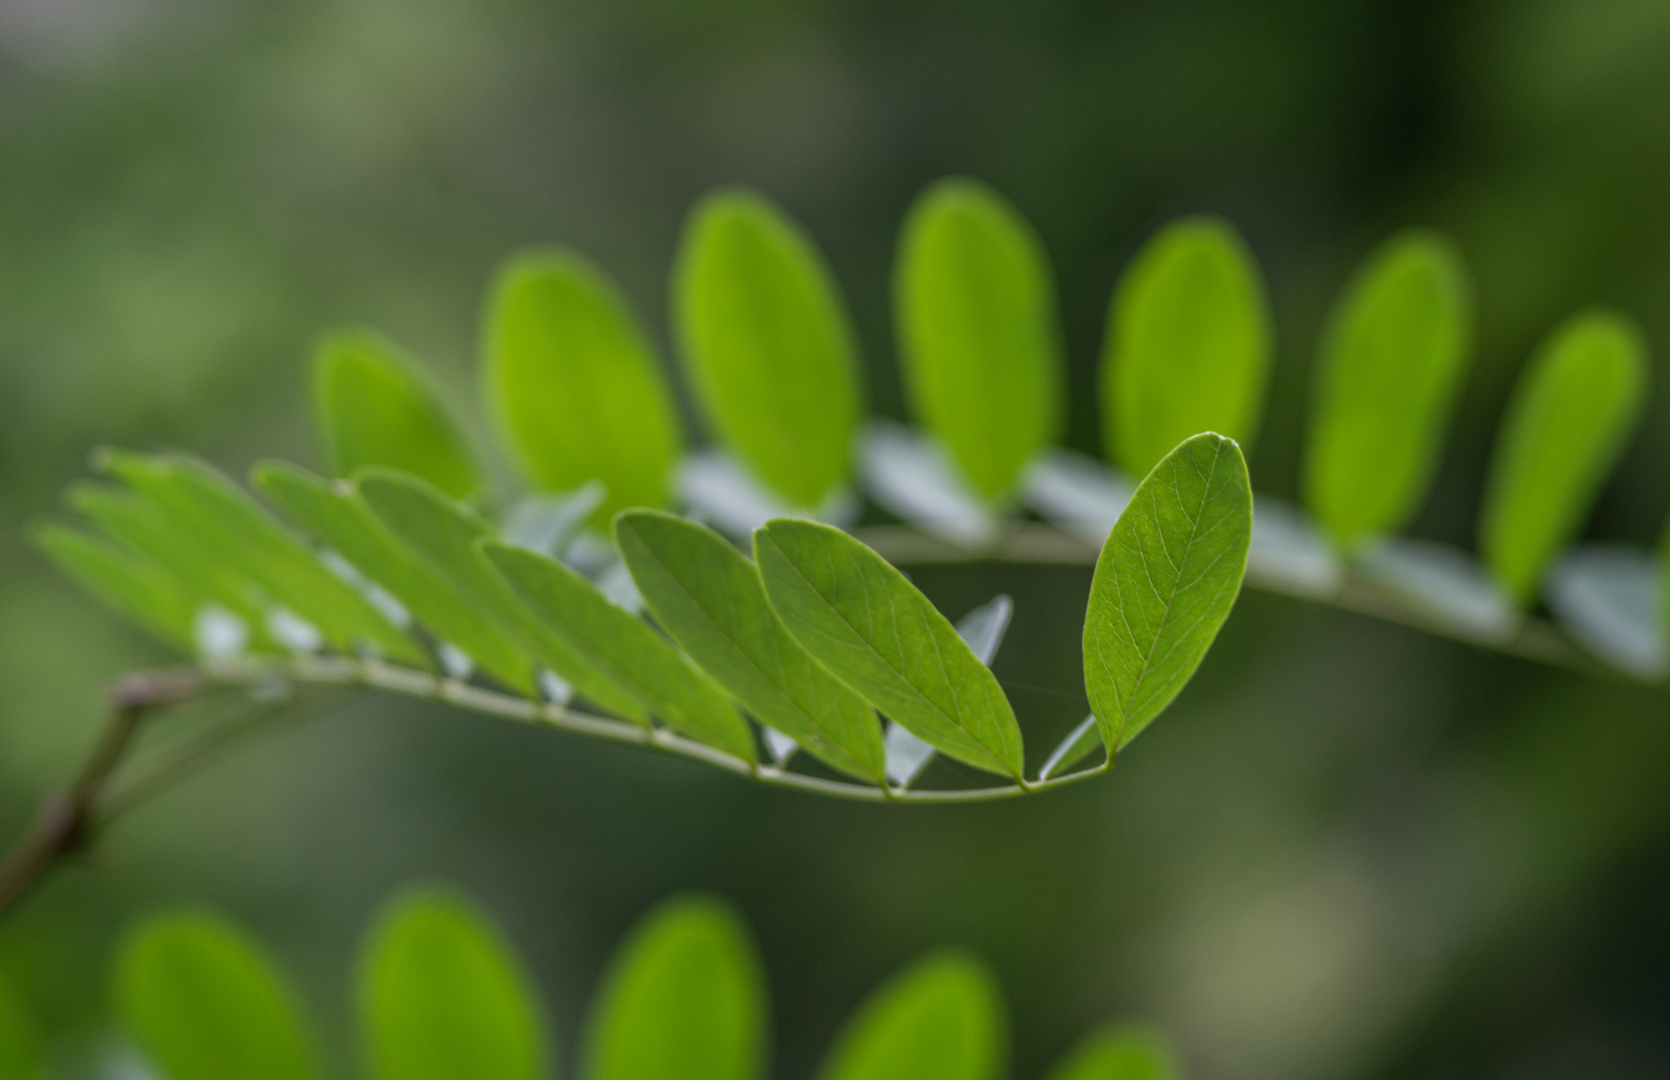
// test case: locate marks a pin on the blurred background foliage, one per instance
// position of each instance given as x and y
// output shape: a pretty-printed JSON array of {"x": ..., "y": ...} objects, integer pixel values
[{"x": 1350, "y": 851}]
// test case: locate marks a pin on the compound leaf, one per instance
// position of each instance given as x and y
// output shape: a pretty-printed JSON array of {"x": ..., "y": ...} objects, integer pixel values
[
  {"x": 767, "y": 344},
  {"x": 623, "y": 646},
  {"x": 1120, "y": 1053},
  {"x": 1392, "y": 364},
  {"x": 939, "y": 1020},
  {"x": 442, "y": 998},
  {"x": 684, "y": 997},
  {"x": 978, "y": 339},
  {"x": 574, "y": 385},
  {"x": 446, "y": 534},
  {"x": 709, "y": 597},
  {"x": 204, "y": 1003},
  {"x": 1566, "y": 424},
  {"x": 1164, "y": 583},
  {"x": 375, "y": 406},
  {"x": 875, "y": 631},
  {"x": 338, "y": 517},
  {"x": 1188, "y": 344},
  {"x": 238, "y": 531},
  {"x": 134, "y": 586}
]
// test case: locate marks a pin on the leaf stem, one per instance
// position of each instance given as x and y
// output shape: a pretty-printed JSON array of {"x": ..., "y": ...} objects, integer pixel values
[{"x": 65, "y": 825}]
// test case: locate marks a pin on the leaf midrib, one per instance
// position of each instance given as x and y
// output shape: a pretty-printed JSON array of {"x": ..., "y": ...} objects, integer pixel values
[
  {"x": 1194, "y": 529},
  {"x": 877, "y": 653}
]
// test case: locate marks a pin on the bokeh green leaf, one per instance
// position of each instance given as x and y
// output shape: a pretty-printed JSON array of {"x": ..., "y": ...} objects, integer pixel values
[
  {"x": 1164, "y": 583},
  {"x": 146, "y": 527},
  {"x": 709, "y": 597},
  {"x": 979, "y": 343},
  {"x": 627, "y": 649},
  {"x": 203, "y": 1003},
  {"x": 1188, "y": 344},
  {"x": 22, "y": 1050},
  {"x": 684, "y": 997},
  {"x": 135, "y": 587},
  {"x": 865, "y": 622},
  {"x": 766, "y": 340},
  {"x": 941, "y": 1019},
  {"x": 573, "y": 384},
  {"x": 1566, "y": 423},
  {"x": 375, "y": 406},
  {"x": 1392, "y": 365},
  {"x": 1120, "y": 1053},
  {"x": 442, "y": 997}
]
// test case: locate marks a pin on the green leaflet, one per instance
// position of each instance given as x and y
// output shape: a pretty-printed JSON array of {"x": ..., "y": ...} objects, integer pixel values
[
  {"x": 978, "y": 338},
  {"x": 1188, "y": 344},
  {"x": 145, "y": 526},
  {"x": 235, "y": 528},
  {"x": 22, "y": 1054},
  {"x": 205, "y": 1004},
  {"x": 1121, "y": 1053},
  {"x": 573, "y": 384},
  {"x": 374, "y": 406},
  {"x": 1392, "y": 365},
  {"x": 134, "y": 586},
  {"x": 684, "y": 997},
  {"x": 708, "y": 596},
  {"x": 442, "y": 998},
  {"x": 1164, "y": 583},
  {"x": 1565, "y": 426},
  {"x": 875, "y": 631},
  {"x": 767, "y": 344},
  {"x": 446, "y": 533},
  {"x": 619, "y": 643},
  {"x": 337, "y": 516},
  {"x": 939, "y": 1020}
]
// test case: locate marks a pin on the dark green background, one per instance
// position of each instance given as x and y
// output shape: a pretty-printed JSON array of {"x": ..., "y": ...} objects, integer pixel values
[{"x": 1348, "y": 851}]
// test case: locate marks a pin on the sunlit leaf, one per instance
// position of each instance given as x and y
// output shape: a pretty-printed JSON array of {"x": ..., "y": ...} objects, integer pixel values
[
  {"x": 337, "y": 516},
  {"x": 203, "y": 1003},
  {"x": 683, "y": 998},
  {"x": 374, "y": 406},
  {"x": 1121, "y": 1053},
  {"x": 766, "y": 341},
  {"x": 574, "y": 385},
  {"x": 708, "y": 596},
  {"x": 1392, "y": 365},
  {"x": 861, "y": 619},
  {"x": 941, "y": 1019},
  {"x": 623, "y": 646},
  {"x": 237, "y": 530},
  {"x": 22, "y": 1051},
  {"x": 1188, "y": 344},
  {"x": 446, "y": 533},
  {"x": 442, "y": 998},
  {"x": 1164, "y": 583},
  {"x": 978, "y": 336},
  {"x": 1566, "y": 424},
  {"x": 135, "y": 587}
]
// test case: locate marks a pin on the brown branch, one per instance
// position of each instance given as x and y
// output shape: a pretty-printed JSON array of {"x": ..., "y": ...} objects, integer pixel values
[{"x": 65, "y": 825}]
